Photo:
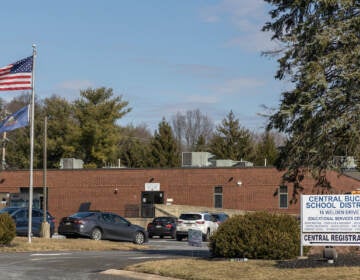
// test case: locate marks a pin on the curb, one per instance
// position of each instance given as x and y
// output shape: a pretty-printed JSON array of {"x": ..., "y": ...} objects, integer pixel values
[{"x": 136, "y": 275}]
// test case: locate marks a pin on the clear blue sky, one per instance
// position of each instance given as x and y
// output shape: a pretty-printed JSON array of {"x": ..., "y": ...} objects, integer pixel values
[{"x": 162, "y": 56}]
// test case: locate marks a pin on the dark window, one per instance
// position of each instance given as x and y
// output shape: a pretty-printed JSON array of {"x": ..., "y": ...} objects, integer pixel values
[
  {"x": 190, "y": 217},
  {"x": 218, "y": 197},
  {"x": 218, "y": 189},
  {"x": 283, "y": 197}
]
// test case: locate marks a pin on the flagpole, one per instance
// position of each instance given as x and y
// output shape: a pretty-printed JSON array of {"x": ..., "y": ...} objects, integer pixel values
[
  {"x": 3, "y": 163},
  {"x": 31, "y": 179}
]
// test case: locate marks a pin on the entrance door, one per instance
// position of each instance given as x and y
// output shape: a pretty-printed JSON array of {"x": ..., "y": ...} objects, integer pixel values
[{"x": 148, "y": 199}]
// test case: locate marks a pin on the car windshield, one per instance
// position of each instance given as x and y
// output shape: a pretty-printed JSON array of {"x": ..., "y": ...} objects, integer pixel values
[
  {"x": 82, "y": 215},
  {"x": 9, "y": 210},
  {"x": 163, "y": 220},
  {"x": 220, "y": 217},
  {"x": 189, "y": 217}
]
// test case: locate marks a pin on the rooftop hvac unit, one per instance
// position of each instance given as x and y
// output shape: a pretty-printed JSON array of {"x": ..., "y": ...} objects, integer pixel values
[
  {"x": 71, "y": 163},
  {"x": 223, "y": 162},
  {"x": 231, "y": 163},
  {"x": 196, "y": 159}
]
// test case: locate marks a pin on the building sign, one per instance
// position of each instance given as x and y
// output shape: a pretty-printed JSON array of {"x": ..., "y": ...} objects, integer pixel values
[
  {"x": 330, "y": 220},
  {"x": 152, "y": 187}
]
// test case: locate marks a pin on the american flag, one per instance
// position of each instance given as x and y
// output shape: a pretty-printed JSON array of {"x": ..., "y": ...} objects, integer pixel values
[{"x": 17, "y": 76}]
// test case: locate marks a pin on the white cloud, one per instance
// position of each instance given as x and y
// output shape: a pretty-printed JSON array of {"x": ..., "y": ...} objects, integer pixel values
[
  {"x": 259, "y": 42},
  {"x": 253, "y": 11},
  {"x": 75, "y": 85},
  {"x": 200, "y": 99},
  {"x": 199, "y": 70},
  {"x": 247, "y": 17},
  {"x": 238, "y": 85}
]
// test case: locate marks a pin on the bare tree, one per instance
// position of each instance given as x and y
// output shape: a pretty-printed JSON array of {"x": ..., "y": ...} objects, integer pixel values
[{"x": 191, "y": 125}]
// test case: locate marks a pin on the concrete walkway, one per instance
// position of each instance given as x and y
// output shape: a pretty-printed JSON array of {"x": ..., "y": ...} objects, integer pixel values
[{"x": 136, "y": 275}]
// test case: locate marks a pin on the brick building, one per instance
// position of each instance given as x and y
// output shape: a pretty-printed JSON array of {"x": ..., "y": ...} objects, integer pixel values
[{"x": 132, "y": 192}]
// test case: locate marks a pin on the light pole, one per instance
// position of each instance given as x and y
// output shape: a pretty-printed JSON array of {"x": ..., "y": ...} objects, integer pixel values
[{"x": 45, "y": 226}]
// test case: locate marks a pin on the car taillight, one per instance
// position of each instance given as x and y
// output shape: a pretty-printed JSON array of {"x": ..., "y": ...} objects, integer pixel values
[
  {"x": 168, "y": 226},
  {"x": 78, "y": 222},
  {"x": 200, "y": 222},
  {"x": 149, "y": 225}
]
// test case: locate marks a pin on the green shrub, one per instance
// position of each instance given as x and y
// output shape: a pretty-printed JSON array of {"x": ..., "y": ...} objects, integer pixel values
[
  {"x": 257, "y": 235},
  {"x": 7, "y": 229}
]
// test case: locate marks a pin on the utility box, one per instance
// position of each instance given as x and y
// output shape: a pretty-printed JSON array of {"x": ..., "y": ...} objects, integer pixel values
[
  {"x": 71, "y": 163},
  {"x": 196, "y": 159}
]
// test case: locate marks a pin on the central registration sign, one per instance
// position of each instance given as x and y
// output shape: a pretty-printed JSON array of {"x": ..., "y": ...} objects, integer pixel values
[{"x": 328, "y": 220}]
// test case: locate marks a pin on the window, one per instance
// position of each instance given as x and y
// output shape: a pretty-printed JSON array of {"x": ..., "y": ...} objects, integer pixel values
[
  {"x": 283, "y": 197},
  {"x": 218, "y": 197}
]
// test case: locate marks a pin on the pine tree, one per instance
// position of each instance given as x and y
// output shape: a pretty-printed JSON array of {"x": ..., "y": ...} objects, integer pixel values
[
  {"x": 164, "y": 147},
  {"x": 231, "y": 141},
  {"x": 266, "y": 151},
  {"x": 321, "y": 114},
  {"x": 97, "y": 112}
]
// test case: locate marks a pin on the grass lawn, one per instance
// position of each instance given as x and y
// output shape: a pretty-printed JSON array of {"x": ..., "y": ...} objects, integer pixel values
[
  {"x": 198, "y": 269},
  {"x": 21, "y": 244}
]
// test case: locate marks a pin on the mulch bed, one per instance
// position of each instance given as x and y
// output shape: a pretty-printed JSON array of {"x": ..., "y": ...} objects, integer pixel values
[{"x": 347, "y": 256}]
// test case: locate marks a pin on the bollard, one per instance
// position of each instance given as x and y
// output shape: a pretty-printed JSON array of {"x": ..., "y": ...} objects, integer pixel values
[{"x": 330, "y": 253}]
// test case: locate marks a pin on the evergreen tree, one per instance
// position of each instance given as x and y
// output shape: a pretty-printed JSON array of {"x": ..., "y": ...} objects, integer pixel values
[
  {"x": 320, "y": 115},
  {"x": 265, "y": 150},
  {"x": 17, "y": 155},
  {"x": 231, "y": 141},
  {"x": 63, "y": 130},
  {"x": 97, "y": 112},
  {"x": 201, "y": 145},
  {"x": 164, "y": 148},
  {"x": 135, "y": 146}
]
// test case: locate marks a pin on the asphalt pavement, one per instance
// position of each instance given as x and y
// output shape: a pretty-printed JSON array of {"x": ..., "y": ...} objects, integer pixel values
[{"x": 90, "y": 265}]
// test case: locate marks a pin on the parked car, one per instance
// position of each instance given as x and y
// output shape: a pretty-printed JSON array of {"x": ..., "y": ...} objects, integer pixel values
[
  {"x": 162, "y": 226},
  {"x": 220, "y": 217},
  {"x": 202, "y": 221},
  {"x": 21, "y": 218},
  {"x": 102, "y": 225}
]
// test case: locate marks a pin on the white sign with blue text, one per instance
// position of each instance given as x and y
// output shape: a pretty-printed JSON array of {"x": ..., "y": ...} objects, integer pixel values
[{"x": 329, "y": 220}]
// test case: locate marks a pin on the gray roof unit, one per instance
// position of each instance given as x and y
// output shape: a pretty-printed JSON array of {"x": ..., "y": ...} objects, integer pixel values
[
  {"x": 71, "y": 163},
  {"x": 196, "y": 159}
]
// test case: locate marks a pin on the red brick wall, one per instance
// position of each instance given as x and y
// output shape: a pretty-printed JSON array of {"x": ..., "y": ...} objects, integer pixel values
[{"x": 67, "y": 189}]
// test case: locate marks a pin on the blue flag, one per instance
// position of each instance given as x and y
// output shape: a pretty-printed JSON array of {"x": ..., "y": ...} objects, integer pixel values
[{"x": 18, "y": 119}]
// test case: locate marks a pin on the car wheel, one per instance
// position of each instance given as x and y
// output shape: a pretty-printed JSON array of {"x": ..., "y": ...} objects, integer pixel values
[
  {"x": 161, "y": 236},
  {"x": 178, "y": 237},
  {"x": 139, "y": 238},
  {"x": 96, "y": 234}
]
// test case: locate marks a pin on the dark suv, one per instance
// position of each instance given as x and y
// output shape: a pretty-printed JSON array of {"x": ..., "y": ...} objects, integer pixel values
[{"x": 21, "y": 218}]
